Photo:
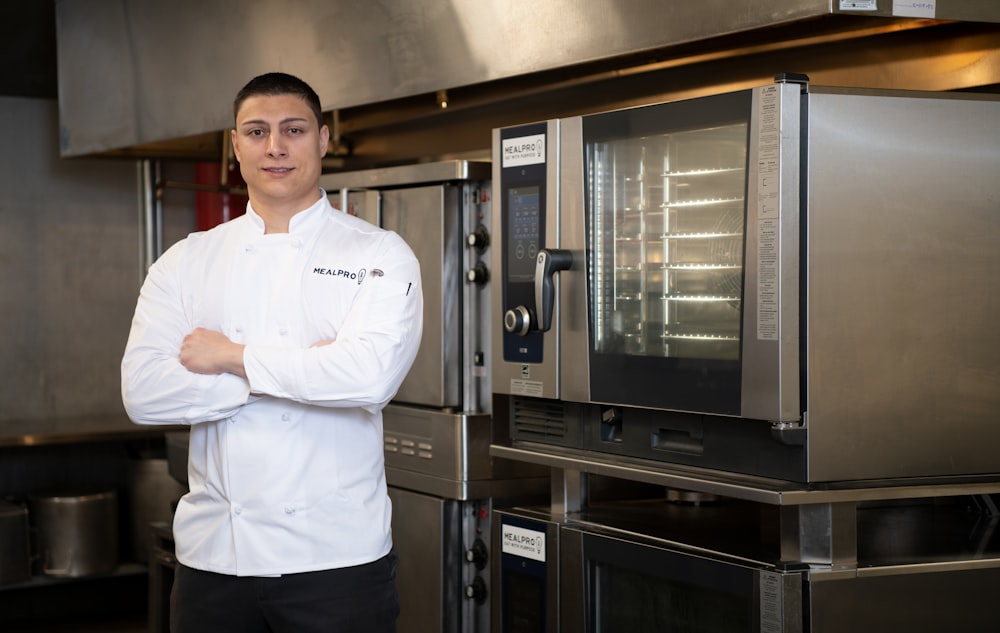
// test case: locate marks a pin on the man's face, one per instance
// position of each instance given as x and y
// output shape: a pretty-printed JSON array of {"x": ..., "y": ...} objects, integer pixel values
[{"x": 279, "y": 145}]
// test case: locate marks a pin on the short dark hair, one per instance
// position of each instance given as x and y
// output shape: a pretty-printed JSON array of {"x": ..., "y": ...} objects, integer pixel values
[{"x": 274, "y": 84}]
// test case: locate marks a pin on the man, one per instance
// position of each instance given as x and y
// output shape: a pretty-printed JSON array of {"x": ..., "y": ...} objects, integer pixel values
[{"x": 278, "y": 337}]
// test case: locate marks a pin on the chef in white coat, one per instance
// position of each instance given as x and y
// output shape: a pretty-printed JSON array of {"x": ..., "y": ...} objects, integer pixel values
[{"x": 279, "y": 336}]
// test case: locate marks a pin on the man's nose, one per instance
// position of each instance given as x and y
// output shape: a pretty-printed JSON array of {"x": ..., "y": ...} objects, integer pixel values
[{"x": 275, "y": 145}]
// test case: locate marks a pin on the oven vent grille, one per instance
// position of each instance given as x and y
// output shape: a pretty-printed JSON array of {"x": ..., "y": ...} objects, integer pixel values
[{"x": 536, "y": 418}]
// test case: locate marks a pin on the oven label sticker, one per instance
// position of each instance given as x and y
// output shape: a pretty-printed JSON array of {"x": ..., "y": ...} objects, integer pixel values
[
  {"x": 524, "y": 150},
  {"x": 771, "y": 603},
  {"x": 914, "y": 8},
  {"x": 523, "y": 542},
  {"x": 519, "y": 387},
  {"x": 859, "y": 5},
  {"x": 768, "y": 212}
]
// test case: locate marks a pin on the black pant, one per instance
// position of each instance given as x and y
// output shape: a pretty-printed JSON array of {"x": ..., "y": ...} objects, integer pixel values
[{"x": 358, "y": 599}]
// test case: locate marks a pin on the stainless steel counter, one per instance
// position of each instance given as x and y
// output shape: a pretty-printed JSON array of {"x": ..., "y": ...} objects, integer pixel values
[
  {"x": 818, "y": 524},
  {"x": 69, "y": 430}
]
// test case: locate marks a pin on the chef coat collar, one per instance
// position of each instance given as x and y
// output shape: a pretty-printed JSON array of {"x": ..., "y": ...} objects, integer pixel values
[{"x": 301, "y": 223}]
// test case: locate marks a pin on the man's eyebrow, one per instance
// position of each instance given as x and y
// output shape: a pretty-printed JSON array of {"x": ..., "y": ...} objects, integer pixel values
[{"x": 294, "y": 119}]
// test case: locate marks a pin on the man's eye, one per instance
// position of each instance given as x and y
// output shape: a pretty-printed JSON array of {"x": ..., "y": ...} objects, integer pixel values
[{"x": 295, "y": 130}]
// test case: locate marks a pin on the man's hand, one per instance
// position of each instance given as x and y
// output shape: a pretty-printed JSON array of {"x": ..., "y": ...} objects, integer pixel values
[{"x": 209, "y": 352}]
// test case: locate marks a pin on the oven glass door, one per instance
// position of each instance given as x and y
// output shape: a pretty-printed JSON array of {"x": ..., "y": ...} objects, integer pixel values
[
  {"x": 634, "y": 587},
  {"x": 666, "y": 211}
]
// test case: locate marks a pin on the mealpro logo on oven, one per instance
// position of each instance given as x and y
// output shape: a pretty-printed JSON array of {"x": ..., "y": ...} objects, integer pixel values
[
  {"x": 524, "y": 150},
  {"x": 522, "y": 542}
]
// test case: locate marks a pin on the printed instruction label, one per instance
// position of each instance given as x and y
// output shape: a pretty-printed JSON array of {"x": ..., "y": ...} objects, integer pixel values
[
  {"x": 522, "y": 542},
  {"x": 914, "y": 8},
  {"x": 771, "y": 599},
  {"x": 523, "y": 150},
  {"x": 768, "y": 211},
  {"x": 858, "y": 5},
  {"x": 519, "y": 387}
]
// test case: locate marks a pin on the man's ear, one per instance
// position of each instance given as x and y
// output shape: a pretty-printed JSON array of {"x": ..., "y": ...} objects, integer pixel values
[
  {"x": 232, "y": 141},
  {"x": 324, "y": 140}
]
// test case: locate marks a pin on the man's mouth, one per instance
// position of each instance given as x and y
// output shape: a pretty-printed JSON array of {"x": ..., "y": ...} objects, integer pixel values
[{"x": 278, "y": 170}]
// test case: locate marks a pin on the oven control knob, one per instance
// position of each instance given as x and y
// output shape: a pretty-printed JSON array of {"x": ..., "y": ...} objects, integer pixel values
[
  {"x": 477, "y": 590},
  {"x": 477, "y": 554},
  {"x": 479, "y": 239},
  {"x": 478, "y": 275},
  {"x": 517, "y": 320}
]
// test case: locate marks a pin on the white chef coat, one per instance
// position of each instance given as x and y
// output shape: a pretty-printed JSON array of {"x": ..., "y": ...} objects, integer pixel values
[{"x": 286, "y": 468}]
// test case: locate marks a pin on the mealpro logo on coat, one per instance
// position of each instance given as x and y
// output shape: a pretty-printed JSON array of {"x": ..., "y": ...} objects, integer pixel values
[{"x": 358, "y": 276}]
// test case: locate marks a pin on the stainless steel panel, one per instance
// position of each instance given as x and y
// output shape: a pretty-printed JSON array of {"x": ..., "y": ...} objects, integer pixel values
[
  {"x": 544, "y": 376},
  {"x": 903, "y": 272},
  {"x": 441, "y": 444},
  {"x": 571, "y": 309},
  {"x": 422, "y": 527},
  {"x": 447, "y": 454},
  {"x": 408, "y": 175},
  {"x": 960, "y": 600},
  {"x": 739, "y": 486},
  {"x": 124, "y": 92},
  {"x": 428, "y": 219},
  {"x": 770, "y": 382}
]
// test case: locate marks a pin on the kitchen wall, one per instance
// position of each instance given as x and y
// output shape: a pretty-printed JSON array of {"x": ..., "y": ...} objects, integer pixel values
[
  {"x": 69, "y": 269},
  {"x": 68, "y": 262}
]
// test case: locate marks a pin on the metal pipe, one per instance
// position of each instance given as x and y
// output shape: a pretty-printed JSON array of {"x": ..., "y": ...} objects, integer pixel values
[
  {"x": 146, "y": 216},
  {"x": 150, "y": 205}
]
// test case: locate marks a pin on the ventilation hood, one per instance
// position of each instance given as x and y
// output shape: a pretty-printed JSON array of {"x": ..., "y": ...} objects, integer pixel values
[{"x": 136, "y": 72}]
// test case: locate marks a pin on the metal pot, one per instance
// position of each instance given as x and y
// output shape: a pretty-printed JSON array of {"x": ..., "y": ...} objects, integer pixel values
[
  {"x": 77, "y": 533},
  {"x": 15, "y": 559},
  {"x": 152, "y": 494}
]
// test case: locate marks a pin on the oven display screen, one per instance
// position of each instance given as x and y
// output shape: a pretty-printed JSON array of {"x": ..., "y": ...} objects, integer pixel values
[{"x": 523, "y": 232}]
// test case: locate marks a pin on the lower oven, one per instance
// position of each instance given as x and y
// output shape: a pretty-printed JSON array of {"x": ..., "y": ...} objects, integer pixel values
[
  {"x": 443, "y": 485},
  {"x": 657, "y": 565},
  {"x": 442, "y": 576}
]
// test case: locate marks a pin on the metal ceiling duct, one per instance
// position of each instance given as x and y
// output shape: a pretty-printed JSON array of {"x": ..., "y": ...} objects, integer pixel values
[{"x": 133, "y": 72}]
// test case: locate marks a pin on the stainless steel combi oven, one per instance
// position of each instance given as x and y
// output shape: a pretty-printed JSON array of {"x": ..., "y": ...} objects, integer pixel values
[
  {"x": 787, "y": 281},
  {"x": 654, "y": 565}
]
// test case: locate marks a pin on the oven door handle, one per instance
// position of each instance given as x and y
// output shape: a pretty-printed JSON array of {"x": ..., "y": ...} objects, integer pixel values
[{"x": 550, "y": 261}]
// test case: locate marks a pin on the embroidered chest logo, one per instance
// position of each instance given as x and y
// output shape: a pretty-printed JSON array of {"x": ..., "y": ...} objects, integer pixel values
[{"x": 340, "y": 273}]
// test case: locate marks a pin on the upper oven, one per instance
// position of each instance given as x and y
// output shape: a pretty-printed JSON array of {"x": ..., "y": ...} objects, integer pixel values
[{"x": 756, "y": 281}]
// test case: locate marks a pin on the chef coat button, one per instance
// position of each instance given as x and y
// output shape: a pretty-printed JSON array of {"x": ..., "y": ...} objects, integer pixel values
[
  {"x": 297, "y": 243},
  {"x": 286, "y": 417},
  {"x": 237, "y": 510},
  {"x": 283, "y": 331},
  {"x": 289, "y": 509}
]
